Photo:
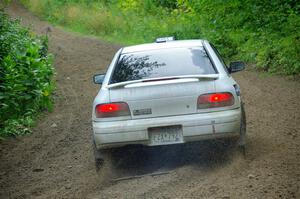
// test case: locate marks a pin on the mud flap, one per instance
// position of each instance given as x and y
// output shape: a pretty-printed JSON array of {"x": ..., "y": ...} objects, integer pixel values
[
  {"x": 242, "y": 138},
  {"x": 99, "y": 157}
]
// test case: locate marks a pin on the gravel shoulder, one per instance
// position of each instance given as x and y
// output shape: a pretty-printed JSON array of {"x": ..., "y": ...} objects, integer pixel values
[{"x": 56, "y": 161}]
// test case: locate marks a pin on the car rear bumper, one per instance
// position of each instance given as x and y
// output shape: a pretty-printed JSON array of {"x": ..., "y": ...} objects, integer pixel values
[{"x": 195, "y": 127}]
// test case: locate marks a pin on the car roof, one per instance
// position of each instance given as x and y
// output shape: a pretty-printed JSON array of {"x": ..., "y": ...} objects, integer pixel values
[{"x": 163, "y": 45}]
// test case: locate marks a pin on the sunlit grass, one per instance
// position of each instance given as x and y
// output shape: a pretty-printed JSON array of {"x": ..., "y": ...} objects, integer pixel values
[
  {"x": 111, "y": 25},
  {"x": 243, "y": 32}
]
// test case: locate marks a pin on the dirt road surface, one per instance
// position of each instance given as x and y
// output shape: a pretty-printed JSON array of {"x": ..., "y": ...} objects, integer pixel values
[{"x": 56, "y": 161}]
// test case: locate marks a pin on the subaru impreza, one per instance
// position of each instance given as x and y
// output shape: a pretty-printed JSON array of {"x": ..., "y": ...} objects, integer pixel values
[{"x": 167, "y": 92}]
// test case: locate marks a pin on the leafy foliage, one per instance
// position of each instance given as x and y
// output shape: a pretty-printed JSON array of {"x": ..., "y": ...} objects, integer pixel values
[
  {"x": 4, "y": 3},
  {"x": 25, "y": 77},
  {"x": 262, "y": 32}
]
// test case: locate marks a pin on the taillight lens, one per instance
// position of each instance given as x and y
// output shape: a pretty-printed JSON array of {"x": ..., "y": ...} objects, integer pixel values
[
  {"x": 214, "y": 100},
  {"x": 112, "y": 110}
]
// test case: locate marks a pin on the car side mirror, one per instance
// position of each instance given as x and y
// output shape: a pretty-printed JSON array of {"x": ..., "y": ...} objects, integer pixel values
[
  {"x": 236, "y": 66},
  {"x": 99, "y": 78}
]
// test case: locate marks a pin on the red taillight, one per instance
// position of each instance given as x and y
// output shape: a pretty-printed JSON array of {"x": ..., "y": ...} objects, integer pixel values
[
  {"x": 215, "y": 100},
  {"x": 112, "y": 110}
]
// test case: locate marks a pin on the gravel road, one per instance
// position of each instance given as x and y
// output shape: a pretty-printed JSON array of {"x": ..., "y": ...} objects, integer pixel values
[{"x": 56, "y": 161}]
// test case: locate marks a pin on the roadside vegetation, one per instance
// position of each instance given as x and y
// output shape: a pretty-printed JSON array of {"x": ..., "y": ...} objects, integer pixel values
[
  {"x": 25, "y": 77},
  {"x": 265, "y": 33}
]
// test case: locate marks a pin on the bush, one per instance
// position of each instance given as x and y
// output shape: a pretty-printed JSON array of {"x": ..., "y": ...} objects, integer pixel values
[
  {"x": 263, "y": 32},
  {"x": 25, "y": 77}
]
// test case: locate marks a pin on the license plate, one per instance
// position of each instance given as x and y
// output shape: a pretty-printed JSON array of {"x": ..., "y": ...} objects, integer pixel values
[{"x": 165, "y": 135}]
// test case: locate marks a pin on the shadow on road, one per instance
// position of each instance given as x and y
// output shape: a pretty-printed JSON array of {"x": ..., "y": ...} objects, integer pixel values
[{"x": 140, "y": 160}]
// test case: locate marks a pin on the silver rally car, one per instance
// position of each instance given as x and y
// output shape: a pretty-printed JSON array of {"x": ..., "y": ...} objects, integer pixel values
[{"x": 167, "y": 92}]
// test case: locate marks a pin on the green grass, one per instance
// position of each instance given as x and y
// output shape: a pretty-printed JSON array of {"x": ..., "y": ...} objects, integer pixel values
[
  {"x": 260, "y": 32},
  {"x": 107, "y": 21}
]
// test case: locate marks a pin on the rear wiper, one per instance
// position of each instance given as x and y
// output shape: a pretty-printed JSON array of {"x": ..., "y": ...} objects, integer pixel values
[{"x": 207, "y": 77}]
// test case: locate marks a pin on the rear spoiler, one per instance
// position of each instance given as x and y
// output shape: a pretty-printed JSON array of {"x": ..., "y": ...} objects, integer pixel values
[{"x": 200, "y": 77}]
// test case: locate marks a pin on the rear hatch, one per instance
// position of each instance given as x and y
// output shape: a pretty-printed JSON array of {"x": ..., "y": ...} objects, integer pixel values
[
  {"x": 163, "y": 98},
  {"x": 164, "y": 82}
]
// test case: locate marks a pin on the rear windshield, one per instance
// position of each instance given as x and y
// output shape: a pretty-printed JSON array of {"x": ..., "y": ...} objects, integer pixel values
[{"x": 162, "y": 63}]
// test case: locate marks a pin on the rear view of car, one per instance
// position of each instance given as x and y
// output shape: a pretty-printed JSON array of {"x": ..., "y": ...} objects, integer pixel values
[{"x": 167, "y": 93}]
